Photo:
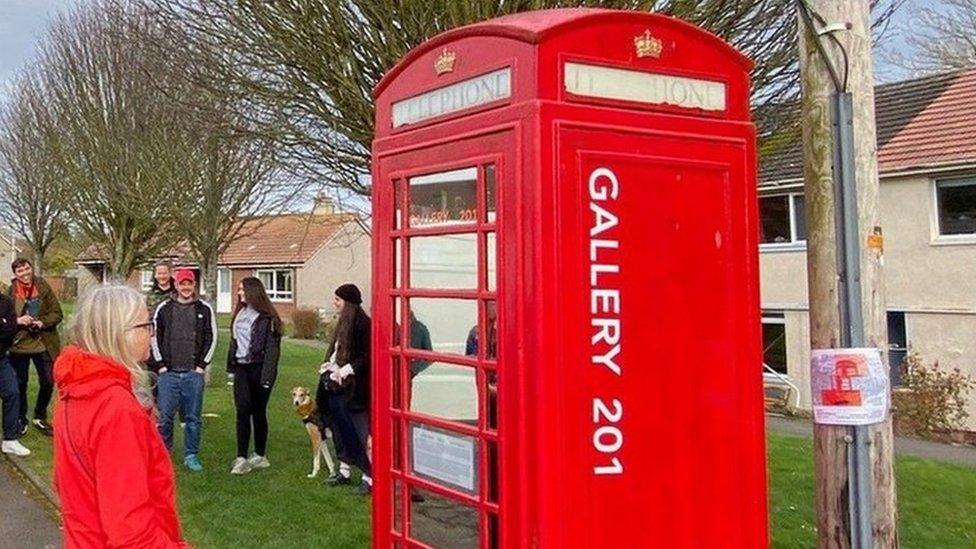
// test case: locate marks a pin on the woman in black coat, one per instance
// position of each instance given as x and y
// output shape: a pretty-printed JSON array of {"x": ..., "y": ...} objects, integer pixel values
[
  {"x": 255, "y": 347},
  {"x": 343, "y": 392}
]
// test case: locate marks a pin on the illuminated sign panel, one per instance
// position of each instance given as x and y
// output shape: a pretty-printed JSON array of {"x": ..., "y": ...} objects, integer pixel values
[
  {"x": 644, "y": 87},
  {"x": 456, "y": 97}
]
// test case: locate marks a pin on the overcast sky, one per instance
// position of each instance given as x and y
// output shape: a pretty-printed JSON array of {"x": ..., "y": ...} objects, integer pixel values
[{"x": 23, "y": 23}]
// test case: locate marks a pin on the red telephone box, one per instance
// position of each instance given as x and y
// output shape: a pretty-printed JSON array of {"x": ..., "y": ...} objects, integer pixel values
[{"x": 566, "y": 316}]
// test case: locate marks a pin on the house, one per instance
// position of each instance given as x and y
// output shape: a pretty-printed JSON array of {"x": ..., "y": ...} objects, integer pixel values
[
  {"x": 300, "y": 258},
  {"x": 10, "y": 248},
  {"x": 927, "y": 163}
]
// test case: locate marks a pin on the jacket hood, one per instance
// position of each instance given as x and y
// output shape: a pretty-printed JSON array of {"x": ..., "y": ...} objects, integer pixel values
[{"x": 80, "y": 374}]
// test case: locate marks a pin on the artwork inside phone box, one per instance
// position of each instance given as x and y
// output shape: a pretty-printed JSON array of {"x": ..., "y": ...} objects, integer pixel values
[{"x": 566, "y": 318}]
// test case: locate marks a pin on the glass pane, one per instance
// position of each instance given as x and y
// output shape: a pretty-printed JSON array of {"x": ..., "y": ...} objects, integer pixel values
[
  {"x": 491, "y": 251},
  {"x": 397, "y": 262},
  {"x": 444, "y": 390},
  {"x": 395, "y": 377},
  {"x": 774, "y": 214},
  {"x": 443, "y": 325},
  {"x": 491, "y": 397},
  {"x": 447, "y": 458},
  {"x": 957, "y": 208},
  {"x": 448, "y": 261},
  {"x": 224, "y": 276},
  {"x": 447, "y": 198},
  {"x": 284, "y": 281},
  {"x": 490, "y": 192},
  {"x": 774, "y": 345},
  {"x": 491, "y": 330},
  {"x": 441, "y": 522},
  {"x": 492, "y": 450},
  {"x": 397, "y": 445},
  {"x": 267, "y": 279},
  {"x": 397, "y": 207},
  {"x": 397, "y": 505},
  {"x": 396, "y": 321},
  {"x": 800, "y": 217}
]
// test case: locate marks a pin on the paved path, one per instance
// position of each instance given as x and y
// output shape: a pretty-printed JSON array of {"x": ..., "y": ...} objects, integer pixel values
[
  {"x": 959, "y": 455},
  {"x": 25, "y": 522}
]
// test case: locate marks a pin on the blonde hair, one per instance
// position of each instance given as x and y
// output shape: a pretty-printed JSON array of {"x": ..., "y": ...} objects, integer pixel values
[{"x": 102, "y": 325}]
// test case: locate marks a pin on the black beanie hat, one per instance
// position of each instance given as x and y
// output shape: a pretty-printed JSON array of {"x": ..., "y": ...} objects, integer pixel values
[{"x": 350, "y": 293}]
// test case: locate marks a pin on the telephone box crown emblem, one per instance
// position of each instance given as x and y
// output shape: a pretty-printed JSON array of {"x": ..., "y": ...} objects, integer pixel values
[
  {"x": 647, "y": 45},
  {"x": 445, "y": 62}
]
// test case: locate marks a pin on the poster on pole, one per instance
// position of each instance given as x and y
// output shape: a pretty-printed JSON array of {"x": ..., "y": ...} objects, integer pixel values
[{"x": 849, "y": 386}]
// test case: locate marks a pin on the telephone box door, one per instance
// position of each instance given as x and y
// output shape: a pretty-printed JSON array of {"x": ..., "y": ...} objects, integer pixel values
[
  {"x": 439, "y": 430},
  {"x": 663, "y": 308}
]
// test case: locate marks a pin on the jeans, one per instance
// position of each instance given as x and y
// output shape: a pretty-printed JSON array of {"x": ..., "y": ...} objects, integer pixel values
[
  {"x": 351, "y": 445},
  {"x": 251, "y": 401},
  {"x": 45, "y": 379},
  {"x": 10, "y": 394},
  {"x": 182, "y": 391}
]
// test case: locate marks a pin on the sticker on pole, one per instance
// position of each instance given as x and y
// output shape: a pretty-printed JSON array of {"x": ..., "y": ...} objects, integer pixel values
[{"x": 850, "y": 386}]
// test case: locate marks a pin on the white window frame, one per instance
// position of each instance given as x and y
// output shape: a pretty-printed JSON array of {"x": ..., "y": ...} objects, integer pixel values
[
  {"x": 794, "y": 243},
  {"x": 274, "y": 294},
  {"x": 776, "y": 317},
  {"x": 146, "y": 279},
  {"x": 948, "y": 239}
]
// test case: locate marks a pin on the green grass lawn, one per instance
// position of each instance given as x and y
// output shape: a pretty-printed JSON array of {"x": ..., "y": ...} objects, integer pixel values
[
  {"x": 279, "y": 507},
  {"x": 276, "y": 507}
]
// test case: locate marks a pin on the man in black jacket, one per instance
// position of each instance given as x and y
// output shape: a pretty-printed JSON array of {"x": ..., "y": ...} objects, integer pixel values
[
  {"x": 183, "y": 347},
  {"x": 9, "y": 391}
]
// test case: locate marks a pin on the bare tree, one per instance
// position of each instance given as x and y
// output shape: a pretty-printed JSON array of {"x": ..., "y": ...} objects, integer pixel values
[
  {"x": 237, "y": 185},
  {"x": 31, "y": 194},
  {"x": 118, "y": 140},
  {"x": 938, "y": 36},
  {"x": 302, "y": 71}
]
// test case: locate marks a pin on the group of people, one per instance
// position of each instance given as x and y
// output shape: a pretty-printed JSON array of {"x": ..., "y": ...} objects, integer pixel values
[
  {"x": 136, "y": 363},
  {"x": 29, "y": 317}
]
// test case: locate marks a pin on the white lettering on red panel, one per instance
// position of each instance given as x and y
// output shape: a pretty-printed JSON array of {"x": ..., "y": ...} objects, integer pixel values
[{"x": 608, "y": 438}]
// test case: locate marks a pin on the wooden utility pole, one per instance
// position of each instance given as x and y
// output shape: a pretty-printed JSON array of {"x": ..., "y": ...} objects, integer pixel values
[{"x": 844, "y": 25}]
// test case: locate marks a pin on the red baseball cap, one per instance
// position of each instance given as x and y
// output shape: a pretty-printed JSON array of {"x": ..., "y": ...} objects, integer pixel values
[{"x": 185, "y": 274}]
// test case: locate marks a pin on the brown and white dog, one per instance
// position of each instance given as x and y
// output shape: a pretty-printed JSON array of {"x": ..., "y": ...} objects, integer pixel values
[{"x": 305, "y": 407}]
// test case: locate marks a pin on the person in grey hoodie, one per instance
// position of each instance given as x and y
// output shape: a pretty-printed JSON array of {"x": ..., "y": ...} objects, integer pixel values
[{"x": 253, "y": 359}]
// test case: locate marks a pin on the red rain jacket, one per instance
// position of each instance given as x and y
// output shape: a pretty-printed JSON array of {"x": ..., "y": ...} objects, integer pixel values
[{"x": 111, "y": 471}]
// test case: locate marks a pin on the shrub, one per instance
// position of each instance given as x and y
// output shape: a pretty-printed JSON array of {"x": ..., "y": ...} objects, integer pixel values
[
  {"x": 305, "y": 324},
  {"x": 934, "y": 399}
]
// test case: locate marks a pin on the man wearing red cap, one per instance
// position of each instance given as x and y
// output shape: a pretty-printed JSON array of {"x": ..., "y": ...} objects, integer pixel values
[{"x": 184, "y": 344}]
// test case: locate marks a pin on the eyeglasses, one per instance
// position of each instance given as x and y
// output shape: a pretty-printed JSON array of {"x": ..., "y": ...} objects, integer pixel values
[{"x": 151, "y": 326}]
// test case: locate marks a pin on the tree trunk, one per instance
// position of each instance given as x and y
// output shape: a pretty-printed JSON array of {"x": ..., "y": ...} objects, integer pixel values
[
  {"x": 208, "y": 292},
  {"x": 830, "y": 447},
  {"x": 38, "y": 260}
]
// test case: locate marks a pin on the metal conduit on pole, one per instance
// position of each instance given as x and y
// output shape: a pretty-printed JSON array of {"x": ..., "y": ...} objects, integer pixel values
[{"x": 855, "y": 485}]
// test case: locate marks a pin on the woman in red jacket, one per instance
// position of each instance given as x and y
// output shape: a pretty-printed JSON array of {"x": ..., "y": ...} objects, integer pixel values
[{"x": 111, "y": 471}]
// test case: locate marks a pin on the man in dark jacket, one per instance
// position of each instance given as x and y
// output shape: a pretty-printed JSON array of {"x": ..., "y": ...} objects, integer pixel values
[
  {"x": 9, "y": 392},
  {"x": 163, "y": 289},
  {"x": 38, "y": 316},
  {"x": 183, "y": 347}
]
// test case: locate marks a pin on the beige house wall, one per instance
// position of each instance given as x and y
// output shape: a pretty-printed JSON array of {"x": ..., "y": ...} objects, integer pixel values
[
  {"x": 931, "y": 278},
  {"x": 345, "y": 258}
]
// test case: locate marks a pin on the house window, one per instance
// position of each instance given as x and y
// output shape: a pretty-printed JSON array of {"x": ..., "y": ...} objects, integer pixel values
[
  {"x": 278, "y": 283},
  {"x": 147, "y": 280},
  {"x": 956, "y": 206},
  {"x": 897, "y": 345},
  {"x": 774, "y": 342},
  {"x": 783, "y": 219}
]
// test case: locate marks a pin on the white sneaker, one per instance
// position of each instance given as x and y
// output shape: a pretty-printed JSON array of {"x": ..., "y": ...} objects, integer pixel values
[
  {"x": 241, "y": 467},
  {"x": 258, "y": 462},
  {"x": 14, "y": 447}
]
